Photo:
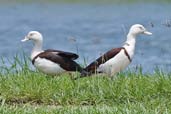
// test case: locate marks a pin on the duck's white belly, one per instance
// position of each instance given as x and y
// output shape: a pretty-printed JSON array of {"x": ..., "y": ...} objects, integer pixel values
[
  {"x": 115, "y": 65},
  {"x": 47, "y": 66}
]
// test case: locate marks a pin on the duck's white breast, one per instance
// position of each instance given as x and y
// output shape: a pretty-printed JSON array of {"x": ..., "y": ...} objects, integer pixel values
[
  {"x": 115, "y": 64},
  {"x": 47, "y": 66}
]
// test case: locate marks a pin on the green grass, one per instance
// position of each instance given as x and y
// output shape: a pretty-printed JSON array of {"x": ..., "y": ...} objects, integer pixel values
[{"x": 26, "y": 91}]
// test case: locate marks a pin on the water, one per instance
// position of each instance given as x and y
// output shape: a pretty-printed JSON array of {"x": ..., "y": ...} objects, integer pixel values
[{"x": 89, "y": 30}]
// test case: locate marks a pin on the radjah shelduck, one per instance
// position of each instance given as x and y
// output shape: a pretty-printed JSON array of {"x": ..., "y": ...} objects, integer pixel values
[
  {"x": 50, "y": 61},
  {"x": 117, "y": 59}
]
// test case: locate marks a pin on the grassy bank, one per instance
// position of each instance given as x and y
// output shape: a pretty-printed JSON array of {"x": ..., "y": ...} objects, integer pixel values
[{"x": 27, "y": 91}]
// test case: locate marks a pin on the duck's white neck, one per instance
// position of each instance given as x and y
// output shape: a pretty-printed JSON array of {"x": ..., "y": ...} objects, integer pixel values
[
  {"x": 37, "y": 48},
  {"x": 130, "y": 44},
  {"x": 131, "y": 39}
]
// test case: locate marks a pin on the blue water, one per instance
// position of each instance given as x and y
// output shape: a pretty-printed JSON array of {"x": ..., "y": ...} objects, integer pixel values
[{"x": 89, "y": 30}]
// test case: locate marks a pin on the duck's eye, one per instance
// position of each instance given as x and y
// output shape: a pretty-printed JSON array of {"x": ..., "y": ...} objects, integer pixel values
[
  {"x": 31, "y": 34},
  {"x": 141, "y": 28}
]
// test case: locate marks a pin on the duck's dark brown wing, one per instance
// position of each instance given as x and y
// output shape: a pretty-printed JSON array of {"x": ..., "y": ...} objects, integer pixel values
[
  {"x": 68, "y": 55},
  {"x": 92, "y": 67},
  {"x": 64, "y": 59}
]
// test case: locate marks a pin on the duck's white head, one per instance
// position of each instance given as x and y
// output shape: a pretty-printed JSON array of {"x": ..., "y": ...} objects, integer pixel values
[
  {"x": 33, "y": 35},
  {"x": 138, "y": 29}
]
